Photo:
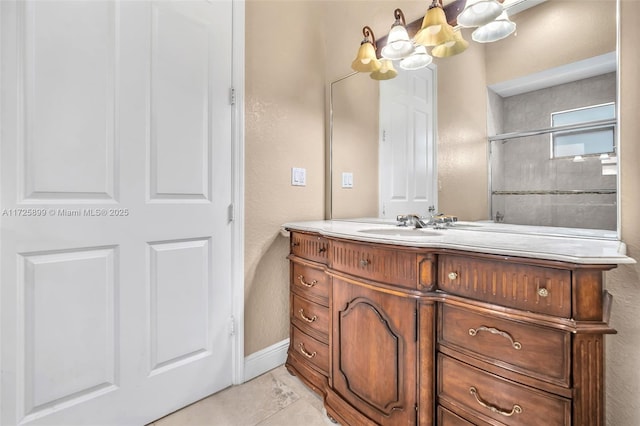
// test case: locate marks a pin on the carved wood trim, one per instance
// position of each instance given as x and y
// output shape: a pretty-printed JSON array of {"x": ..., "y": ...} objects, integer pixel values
[
  {"x": 381, "y": 264},
  {"x": 309, "y": 246},
  {"x": 426, "y": 363},
  {"x": 588, "y": 380},
  {"x": 530, "y": 288}
]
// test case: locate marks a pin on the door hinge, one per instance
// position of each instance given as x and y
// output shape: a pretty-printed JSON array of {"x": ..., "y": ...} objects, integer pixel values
[
  {"x": 232, "y": 326},
  {"x": 232, "y": 96},
  {"x": 231, "y": 214}
]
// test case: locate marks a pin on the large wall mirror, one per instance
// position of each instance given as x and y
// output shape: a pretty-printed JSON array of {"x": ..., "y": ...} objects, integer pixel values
[{"x": 561, "y": 61}]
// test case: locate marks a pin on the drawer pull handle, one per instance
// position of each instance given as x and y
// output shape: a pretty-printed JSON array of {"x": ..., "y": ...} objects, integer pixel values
[
  {"x": 453, "y": 275},
  {"x": 515, "y": 410},
  {"x": 306, "y": 318},
  {"x": 304, "y": 352},
  {"x": 364, "y": 263},
  {"x": 306, "y": 284},
  {"x": 516, "y": 345},
  {"x": 543, "y": 292},
  {"x": 322, "y": 250}
]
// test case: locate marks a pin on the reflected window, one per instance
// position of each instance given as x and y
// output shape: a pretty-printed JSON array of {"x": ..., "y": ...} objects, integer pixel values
[{"x": 591, "y": 133}]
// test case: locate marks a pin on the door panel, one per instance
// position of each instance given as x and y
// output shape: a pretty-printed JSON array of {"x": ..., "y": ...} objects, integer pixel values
[
  {"x": 67, "y": 88},
  {"x": 180, "y": 289},
  {"x": 65, "y": 367},
  {"x": 408, "y": 175},
  {"x": 115, "y": 182},
  {"x": 180, "y": 107}
]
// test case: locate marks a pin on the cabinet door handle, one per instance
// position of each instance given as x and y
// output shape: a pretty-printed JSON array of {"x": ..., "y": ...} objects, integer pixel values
[
  {"x": 306, "y": 318},
  {"x": 452, "y": 275},
  {"x": 516, "y": 345},
  {"x": 306, "y": 284},
  {"x": 516, "y": 409},
  {"x": 304, "y": 352}
]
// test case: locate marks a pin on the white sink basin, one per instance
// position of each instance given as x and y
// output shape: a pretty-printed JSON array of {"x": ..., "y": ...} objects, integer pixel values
[{"x": 400, "y": 232}]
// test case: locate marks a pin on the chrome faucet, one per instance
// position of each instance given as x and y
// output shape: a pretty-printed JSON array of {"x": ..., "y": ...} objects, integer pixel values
[
  {"x": 437, "y": 221},
  {"x": 411, "y": 219}
]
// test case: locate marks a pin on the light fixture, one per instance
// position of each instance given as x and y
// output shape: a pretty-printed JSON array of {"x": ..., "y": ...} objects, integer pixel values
[
  {"x": 435, "y": 29},
  {"x": 494, "y": 30},
  {"x": 366, "y": 60},
  {"x": 386, "y": 71},
  {"x": 399, "y": 45},
  {"x": 419, "y": 59},
  {"x": 479, "y": 12},
  {"x": 435, "y": 32},
  {"x": 450, "y": 48}
]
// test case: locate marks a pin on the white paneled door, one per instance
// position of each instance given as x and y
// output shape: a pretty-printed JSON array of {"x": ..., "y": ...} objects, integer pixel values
[
  {"x": 115, "y": 192},
  {"x": 408, "y": 174}
]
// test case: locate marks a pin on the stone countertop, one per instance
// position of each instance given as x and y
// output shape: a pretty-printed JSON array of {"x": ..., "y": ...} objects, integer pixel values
[{"x": 581, "y": 246}]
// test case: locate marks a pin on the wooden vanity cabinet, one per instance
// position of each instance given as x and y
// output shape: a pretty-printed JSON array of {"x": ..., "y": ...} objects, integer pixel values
[
  {"x": 310, "y": 292},
  {"x": 521, "y": 341},
  {"x": 434, "y": 336}
]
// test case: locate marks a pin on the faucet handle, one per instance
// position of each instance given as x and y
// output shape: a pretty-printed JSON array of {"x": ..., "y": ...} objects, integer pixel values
[{"x": 402, "y": 219}]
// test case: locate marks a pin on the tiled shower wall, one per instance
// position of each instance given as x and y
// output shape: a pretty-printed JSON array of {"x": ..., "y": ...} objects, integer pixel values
[{"x": 524, "y": 164}]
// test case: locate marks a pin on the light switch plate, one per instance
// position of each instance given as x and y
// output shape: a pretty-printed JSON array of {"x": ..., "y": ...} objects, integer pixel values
[
  {"x": 347, "y": 180},
  {"x": 298, "y": 176}
]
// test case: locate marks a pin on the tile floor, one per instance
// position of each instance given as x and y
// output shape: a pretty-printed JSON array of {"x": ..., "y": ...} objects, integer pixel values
[{"x": 275, "y": 398}]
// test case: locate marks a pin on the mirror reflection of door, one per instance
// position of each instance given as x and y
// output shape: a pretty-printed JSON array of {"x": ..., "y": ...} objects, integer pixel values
[{"x": 408, "y": 174}]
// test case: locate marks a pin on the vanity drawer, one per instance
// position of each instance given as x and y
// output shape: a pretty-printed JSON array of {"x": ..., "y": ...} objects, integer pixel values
[
  {"x": 447, "y": 418},
  {"x": 526, "y": 287},
  {"x": 309, "y": 246},
  {"x": 311, "y": 318},
  {"x": 307, "y": 348},
  {"x": 494, "y": 398},
  {"x": 387, "y": 265},
  {"x": 309, "y": 282},
  {"x": 538, "y": 352}
]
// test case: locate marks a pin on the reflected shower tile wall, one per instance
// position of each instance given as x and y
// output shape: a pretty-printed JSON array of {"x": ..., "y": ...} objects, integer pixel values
[{"x": 524, "y": 164}]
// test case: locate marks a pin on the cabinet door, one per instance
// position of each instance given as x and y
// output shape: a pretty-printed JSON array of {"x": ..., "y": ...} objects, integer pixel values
[{"x": 374, "y": 352}]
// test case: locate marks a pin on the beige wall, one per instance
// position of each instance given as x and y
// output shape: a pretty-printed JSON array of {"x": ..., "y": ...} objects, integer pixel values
[
  {"x": 623, "y": 356},
  {"x": 542, "y": 34},
  {"x": 462, "y": 134},
  {"x": 284, "y": 128},
  {"x": 287, "y": 68},
  {"x": 285, "y": 104},
  {"x": 354, "y": 147}
]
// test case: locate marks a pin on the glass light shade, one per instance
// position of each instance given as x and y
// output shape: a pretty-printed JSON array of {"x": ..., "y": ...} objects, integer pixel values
[
  {"x": 493, "y": 31},
  {"x": 366, "y": 60},
  {"x": 419, "y": 59},
  {"x": 479, "y": 12},
  {"x": 451, "y": 48},
  {"x": 398, "y": 44},
  {"x": 386, "y": 71},
  {"x": 435, "y": 29}
]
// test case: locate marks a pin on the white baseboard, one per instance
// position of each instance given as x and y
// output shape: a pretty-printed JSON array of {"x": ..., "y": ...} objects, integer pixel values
[{"x": 266, "y": 359}]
